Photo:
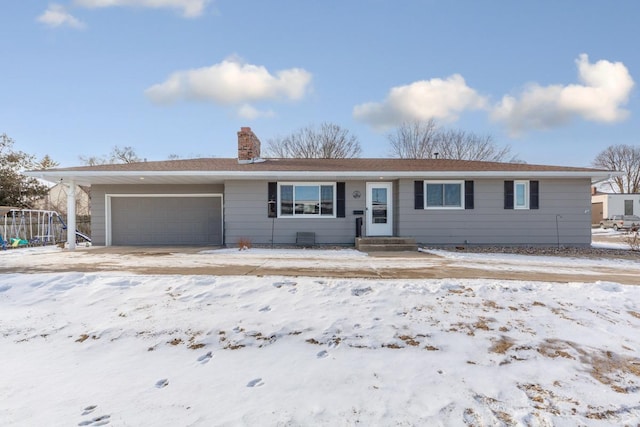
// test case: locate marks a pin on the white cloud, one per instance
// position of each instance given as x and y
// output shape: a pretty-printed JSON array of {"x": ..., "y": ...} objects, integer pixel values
[
  {"x": 441, "y": 99},
  {"x": 232, "y": 83},
  {"x": 605, "y": 88},
  {"x": 249, "y": 112},
  {"x": 189, "y": 8},
  {"x": 57, "y": 16}
]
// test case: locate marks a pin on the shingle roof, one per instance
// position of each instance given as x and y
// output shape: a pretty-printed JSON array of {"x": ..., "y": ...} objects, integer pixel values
[
  {"x": 324, "y": 165},
  {"x": 219, "y": 170}
]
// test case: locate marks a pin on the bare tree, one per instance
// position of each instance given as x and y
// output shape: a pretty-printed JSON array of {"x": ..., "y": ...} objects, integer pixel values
[
  {"x": 93, "y": 160},
  {"x": 623, "y": 158},
  {"x": 414, "y": 140},
  {"x": 425, "y": 139},
  {"x": 456, "y": 144},
  {"x": 124, "y": 155},
  {"x": 117, "y": 155},
  {"x": 17, "y": 189},
  {"x": 330, "y": 141}
]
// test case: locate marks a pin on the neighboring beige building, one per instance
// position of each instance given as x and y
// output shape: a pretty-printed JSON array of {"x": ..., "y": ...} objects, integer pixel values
[
  {"x": 605, "y": 205},
  {"x": 56, "y": 200}
]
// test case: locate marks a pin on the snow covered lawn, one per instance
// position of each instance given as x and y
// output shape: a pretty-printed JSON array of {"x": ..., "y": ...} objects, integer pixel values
[{"x": 92, "y": 349}]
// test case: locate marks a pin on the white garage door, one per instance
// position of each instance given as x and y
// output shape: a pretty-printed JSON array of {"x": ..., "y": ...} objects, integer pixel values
[{"x": 167, "y": 220}]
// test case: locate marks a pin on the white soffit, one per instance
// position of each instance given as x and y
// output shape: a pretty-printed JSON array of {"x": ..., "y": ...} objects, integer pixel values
[{"x": 212, "y": 177}]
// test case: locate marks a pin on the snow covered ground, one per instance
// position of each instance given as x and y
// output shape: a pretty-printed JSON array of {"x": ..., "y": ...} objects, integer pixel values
[
  {"x": 125, "y": 349},
  {"x": 609, "y": 238}
]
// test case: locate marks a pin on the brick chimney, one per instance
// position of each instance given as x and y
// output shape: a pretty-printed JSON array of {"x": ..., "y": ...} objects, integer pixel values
[{"x": 248, "y": 146}]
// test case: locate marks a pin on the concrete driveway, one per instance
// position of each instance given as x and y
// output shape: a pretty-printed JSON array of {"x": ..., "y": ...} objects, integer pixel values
[{"x": 322, "y": 263}]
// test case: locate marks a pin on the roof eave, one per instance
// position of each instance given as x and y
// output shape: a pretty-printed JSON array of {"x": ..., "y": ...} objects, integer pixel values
[{"x": 91, "y": 177}]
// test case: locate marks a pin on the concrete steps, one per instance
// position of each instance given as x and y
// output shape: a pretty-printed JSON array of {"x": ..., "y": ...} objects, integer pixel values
[{"x": 386, "y": 244}]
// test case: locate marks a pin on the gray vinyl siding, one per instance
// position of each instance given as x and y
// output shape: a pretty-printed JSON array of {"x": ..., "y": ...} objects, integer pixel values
[
  {"x": 98, "y": 192},
  {"x": 245, "y": 214},
  {"x": 490, "y": 224}
]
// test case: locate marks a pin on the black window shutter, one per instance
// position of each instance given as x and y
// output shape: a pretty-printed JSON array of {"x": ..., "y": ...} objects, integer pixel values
[
  {"x": 272, "y": 198},
  {"x": 468, "y": 194},
  {"x": 418, "y": 190},
  {"x": 534, "y": 199},
  {"x": 508, "y": 194},
  {"x": 340, "y": 200}
]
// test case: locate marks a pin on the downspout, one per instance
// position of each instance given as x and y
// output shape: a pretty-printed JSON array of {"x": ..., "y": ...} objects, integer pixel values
[{"x": 71, "y": 215}]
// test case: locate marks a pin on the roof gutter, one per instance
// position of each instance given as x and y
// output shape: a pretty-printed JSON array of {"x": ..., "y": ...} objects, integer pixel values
[{"x": 55, "y": 176}]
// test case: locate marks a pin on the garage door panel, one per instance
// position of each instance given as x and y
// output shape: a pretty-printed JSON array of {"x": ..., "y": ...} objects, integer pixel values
[{"x": 166, "y": 220}]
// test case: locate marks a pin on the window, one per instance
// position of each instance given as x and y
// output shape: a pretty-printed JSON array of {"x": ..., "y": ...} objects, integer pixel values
[
  {"x": 444, "y": 194},
  {"x": 307, "y": 200},
  {"x": 521, "y": 195}
]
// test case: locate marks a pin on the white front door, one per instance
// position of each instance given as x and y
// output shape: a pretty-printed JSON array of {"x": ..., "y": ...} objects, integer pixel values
[{"x": 379, "y": 209}]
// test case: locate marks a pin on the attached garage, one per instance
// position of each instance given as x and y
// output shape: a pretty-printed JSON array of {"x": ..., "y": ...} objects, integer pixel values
[{"x": 164, "y": 219}]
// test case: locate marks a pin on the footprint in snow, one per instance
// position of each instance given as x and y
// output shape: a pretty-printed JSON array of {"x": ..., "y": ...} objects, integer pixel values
[
  {"x": 322, "y": 354},
  {"x": 361, "y": 291},
  {"x": 89, "y": 409},
  {"x": 255, "y": 383},
  {"x": 204, "y": 358},
  {"x": 284, "y": 283},
  {"x": 265, "y": 308},
  {"x": 162, "y": 383},
  {"x": 334, "y": 343},
  {"x": 102, "y": 420}
]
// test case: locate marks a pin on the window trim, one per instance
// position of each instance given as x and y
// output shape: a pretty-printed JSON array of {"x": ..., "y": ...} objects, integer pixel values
[
  {"x": 527, "y": 193},
  {"x": 319, "y": 184},
  {"x": 460, "y": 182},
  {"x": 532, "y": 199}
]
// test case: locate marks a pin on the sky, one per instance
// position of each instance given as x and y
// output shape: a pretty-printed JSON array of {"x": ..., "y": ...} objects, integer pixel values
[{"x": 555, "y": 81}]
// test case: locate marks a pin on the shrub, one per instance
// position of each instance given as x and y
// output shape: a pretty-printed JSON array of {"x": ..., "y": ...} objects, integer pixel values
[
  {"x": 244, "y": 243},
  {"x": 633, "y": 241}
]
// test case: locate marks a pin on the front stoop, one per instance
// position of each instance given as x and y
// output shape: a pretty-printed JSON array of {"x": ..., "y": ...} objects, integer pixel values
[{"x": 386, "y": 244}]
